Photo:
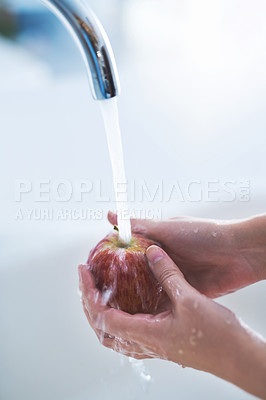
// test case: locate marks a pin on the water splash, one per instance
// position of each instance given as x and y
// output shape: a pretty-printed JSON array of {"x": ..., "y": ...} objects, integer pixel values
[
  {"x": 106, "y": 295},
  {"x": 141, "y": 372},
  {"x": 112, "y": 128}
]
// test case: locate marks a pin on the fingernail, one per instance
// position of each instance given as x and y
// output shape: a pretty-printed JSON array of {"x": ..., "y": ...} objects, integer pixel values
[{"x": 154, "y": 254}]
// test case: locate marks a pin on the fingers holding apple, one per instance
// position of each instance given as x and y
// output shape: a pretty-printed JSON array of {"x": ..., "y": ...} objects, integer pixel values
[
  {"x": 125, "y": 347},
  {"x": 99, "y": 284},
  {"x": 122, "y": 274},
  {"x": 192, "y": 330},
  {"x": 140, "y": 335},
  {"x": 117, "y": 275},
  {"x": 111, "y": 321}
]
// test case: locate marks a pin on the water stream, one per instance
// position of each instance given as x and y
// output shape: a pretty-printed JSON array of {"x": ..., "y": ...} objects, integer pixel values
[{"x": 113, "y": 133}]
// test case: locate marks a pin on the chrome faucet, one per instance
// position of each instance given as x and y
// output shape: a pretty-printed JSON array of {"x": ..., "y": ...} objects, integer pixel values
[{"x": 93, "y": 44}]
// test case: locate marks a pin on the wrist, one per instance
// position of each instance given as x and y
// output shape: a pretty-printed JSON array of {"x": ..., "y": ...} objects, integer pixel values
[
  {"x": 241, "y": 354},
  {"x": 250, "y": 238},
  {"x": 248, "y": 360}
]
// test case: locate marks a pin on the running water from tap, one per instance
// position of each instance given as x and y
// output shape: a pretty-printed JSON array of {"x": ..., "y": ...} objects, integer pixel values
[{"x": 110, "y": 115}]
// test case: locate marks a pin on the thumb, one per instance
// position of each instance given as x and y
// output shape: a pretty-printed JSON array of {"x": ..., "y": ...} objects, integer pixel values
[
  {"x": 166, "y": 272},
  {"x": 142, "y": 226}
]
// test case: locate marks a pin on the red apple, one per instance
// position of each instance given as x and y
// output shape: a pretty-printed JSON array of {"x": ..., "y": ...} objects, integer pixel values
[{"x": 122, "y": 274}]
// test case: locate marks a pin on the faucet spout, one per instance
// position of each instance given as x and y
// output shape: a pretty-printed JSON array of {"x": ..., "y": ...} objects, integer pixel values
[{"x": 93, "y": 44}]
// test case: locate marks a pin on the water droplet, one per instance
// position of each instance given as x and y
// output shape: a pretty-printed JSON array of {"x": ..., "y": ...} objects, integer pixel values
[
  {"x": 141, "y": 371},
  {"x": 177, "y": 292},
  {"x": 107, "y": 336},
  {"x": 192, "y": 340},
  {"x": 195, "y": 305},
  {"x": 196, "y": 230},
  {"x": 214, "y": 234},
  {"x": 180, "y": 351}
]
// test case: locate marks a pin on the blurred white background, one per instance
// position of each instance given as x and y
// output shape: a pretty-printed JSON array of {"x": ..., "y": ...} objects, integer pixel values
[{"x": 192, "y": 108}]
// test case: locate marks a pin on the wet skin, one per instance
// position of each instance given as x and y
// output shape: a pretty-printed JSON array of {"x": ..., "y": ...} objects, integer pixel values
[
  {"x": 192, "y": 330},
  {"x": 216, "y": 257}
]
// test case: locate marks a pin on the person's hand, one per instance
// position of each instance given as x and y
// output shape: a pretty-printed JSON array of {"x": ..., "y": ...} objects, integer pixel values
[
  {"x": 215, "y": 257},
  {"x": 193, "y": 330}
]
